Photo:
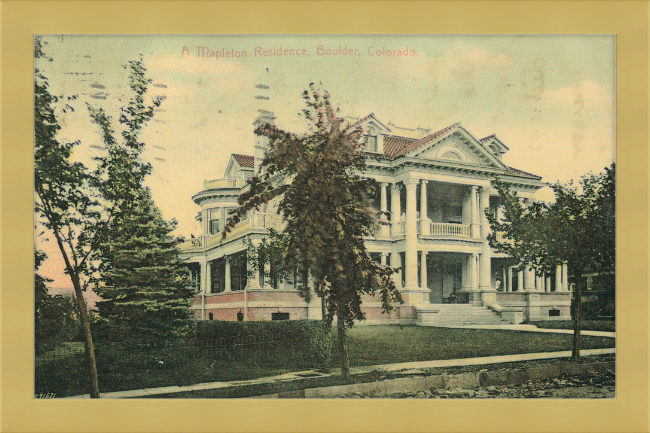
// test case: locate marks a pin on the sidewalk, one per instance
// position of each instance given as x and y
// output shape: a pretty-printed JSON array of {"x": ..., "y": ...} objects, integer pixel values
[
  {"x": 533, "y": 328},
  {"x": 387, "y": 368}
]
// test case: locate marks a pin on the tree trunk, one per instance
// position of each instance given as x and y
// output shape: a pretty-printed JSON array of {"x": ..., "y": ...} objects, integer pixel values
[
  {"x": 85, "y": 321},
  {"x": 577, "y": 316},
  {"x": 323, "y": 307},
  {"x": 343, "y": 347}
]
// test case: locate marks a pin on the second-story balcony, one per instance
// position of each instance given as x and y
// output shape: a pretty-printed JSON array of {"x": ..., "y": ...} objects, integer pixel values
[
  {"x": 255, "y": 222},
  {"x": 230, "y": 183},
  {"x": 432, "y": 229}
]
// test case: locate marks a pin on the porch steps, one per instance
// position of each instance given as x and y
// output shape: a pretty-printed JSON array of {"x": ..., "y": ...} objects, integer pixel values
[{"x": 458, "y": 315}]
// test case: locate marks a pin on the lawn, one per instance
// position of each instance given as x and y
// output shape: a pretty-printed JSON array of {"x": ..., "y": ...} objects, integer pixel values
[
  {"x": 373, "y": 345},
  {"x": 587, "y": 325},
  {"x": 65, "y": 375}
]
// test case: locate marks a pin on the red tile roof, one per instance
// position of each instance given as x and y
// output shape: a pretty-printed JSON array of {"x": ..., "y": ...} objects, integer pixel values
[
  {"x": 407, "y": 145},
  {"x": 394, "y": 145},
  {"x": 244, "y": 160},
  {"x": 515, "y": 172}
]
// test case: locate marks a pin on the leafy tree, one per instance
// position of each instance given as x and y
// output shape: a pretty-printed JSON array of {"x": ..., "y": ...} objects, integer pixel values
[
  {"x": 577, "y": 229},
  {"x": 142, "y": 282},
  {"x": 55, "y": 317},
  {"x": 326, "y": 207},
  {"x": 65, "y": 202}
]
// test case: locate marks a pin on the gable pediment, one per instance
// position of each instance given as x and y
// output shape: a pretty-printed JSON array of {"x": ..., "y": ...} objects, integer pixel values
[{"x": 457, "y": 146}]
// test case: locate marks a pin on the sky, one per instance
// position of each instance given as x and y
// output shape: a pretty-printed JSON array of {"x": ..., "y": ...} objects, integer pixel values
[{"x": 550, "y": 99}]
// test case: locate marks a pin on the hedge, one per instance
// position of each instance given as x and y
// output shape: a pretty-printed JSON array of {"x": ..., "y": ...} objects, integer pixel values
[{"x": 307, "y": 342}]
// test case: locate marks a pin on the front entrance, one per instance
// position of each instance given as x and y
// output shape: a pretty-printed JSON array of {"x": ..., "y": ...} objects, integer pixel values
[{"x": 444, "y": 277}]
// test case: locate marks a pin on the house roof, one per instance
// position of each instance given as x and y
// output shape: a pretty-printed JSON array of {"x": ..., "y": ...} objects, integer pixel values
[
  {"x": 515, "y": 172},
  {"x": 244, "y": 160},
  {"x": 408, "y": 145}
]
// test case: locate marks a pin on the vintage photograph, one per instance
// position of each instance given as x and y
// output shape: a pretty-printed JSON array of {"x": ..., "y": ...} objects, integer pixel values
[{"x": 318, "y": 216}]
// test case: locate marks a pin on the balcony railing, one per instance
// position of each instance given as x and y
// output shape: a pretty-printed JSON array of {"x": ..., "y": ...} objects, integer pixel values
[
  {"x": 236, "y": 182},
  {"x": 254, "y": 221},
  {"x": 428, "y": 228}
]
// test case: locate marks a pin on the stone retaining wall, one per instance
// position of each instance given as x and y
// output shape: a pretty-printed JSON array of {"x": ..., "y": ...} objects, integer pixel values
[{"x": 397, "y": 387}]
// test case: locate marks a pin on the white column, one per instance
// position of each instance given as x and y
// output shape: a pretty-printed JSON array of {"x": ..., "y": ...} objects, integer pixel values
[
  {"x": 504, "y": 281},
  {"x": 485, "y": 282},
  {"x": 520, "y": 281},
  {"x": 254, "y": 283},
  {"x": 222, "y": 217},
  {"x": 383, "y": 259},
  {"x": 471, "y": 271},
  {"x": 538, "y": 283},
  {"x": 474, "y": 221},
  {"x": 204, "y": 277},
  {"x": 411, "y": 235},
  {"x": 395, "y": 208},
  {"x": 558, "y": 279},
  {"x": 467, "y": 207},
  {"x": 529, "y": 279},
  {"x": 396, "y": 262},
  {"x": 384, "y": 229},
  {"x": 205, "y": 221},
  {"x": 565, "y": 277},
  {"x": 208, "y": 277},
  {"x": 423, "y": 270},
  {"x": 267, "y": 273},
  {"x": 425, "y": 226},
  {"x": 510, "y": 279},
  {"x": 548, "y": 282},
  {"x": 227, "y": 282}
]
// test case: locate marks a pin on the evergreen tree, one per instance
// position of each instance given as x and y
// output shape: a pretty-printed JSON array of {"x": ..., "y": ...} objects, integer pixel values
[
  {"x": 327, "y": 209},
  {"x": 142, "y": 283}
]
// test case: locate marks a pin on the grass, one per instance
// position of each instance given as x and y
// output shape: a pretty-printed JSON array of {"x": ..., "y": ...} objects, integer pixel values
[
  {"x": 375, "y": 345},
  {"x": 65, "y": 374},
  {"x": 587, "y": 325}
]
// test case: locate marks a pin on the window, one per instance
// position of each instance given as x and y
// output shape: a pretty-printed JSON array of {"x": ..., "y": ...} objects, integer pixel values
[
  {"x": 214, "y": 221},
  {"x": 450, "y": 154},
  {"x": 371, "y": 140},
  {"x": 238, "y": 276},
  {"x": 279, "y": 316},
  {"x": 210, "y": 316},
  {"x": 554, "y": 313},
  {"x": 218, "y": 275},
  {"x": 372, "y": 143}
]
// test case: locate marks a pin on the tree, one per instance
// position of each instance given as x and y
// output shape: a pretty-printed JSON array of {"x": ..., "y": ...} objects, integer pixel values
[
  {"x": 577, "y": 229},
  {"x": 65, "y": 202},
  {"x": 144, "y": 285},
  {"x": 55, "y": 316},
  {"x": 142, "y": 282},
  {"x": 326, "y": 207}
]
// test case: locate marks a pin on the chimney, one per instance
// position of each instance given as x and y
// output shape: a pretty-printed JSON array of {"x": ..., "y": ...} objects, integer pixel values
[{"x": 264, "y": 116}]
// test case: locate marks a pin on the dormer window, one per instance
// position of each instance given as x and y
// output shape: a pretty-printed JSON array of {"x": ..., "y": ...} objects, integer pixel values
[
  {"x": 372, "y": 143},
  {"x": 494, "y": 150}
]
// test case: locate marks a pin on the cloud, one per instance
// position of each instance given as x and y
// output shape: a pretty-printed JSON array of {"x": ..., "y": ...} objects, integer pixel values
[{"x": 585, "y": 93}]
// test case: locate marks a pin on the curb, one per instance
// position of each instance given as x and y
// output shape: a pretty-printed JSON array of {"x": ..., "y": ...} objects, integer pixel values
[{"x": 398, "y": 387}]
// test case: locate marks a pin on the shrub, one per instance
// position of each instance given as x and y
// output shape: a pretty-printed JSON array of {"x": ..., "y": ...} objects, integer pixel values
[{"x": 307, "y": 342}]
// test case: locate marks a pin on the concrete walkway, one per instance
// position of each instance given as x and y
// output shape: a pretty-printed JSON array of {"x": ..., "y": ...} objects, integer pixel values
[
  {"x": 405, "y": 367},
  {"x": 533, "y": 328}
]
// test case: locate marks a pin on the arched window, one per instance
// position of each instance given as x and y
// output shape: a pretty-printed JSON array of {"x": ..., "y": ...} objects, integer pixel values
[{"x": 450, "y": 154}]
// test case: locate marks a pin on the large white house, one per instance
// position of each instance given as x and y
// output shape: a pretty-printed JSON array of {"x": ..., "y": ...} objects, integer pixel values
[{"x": 436, "y": 187}]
